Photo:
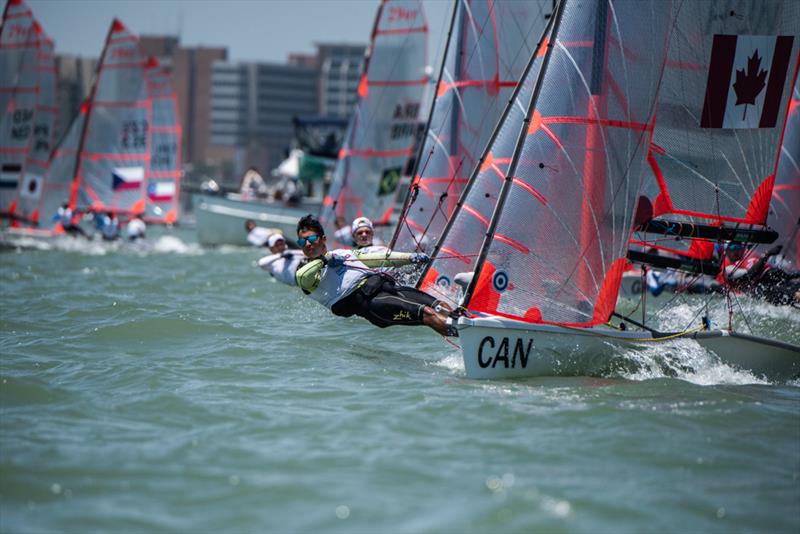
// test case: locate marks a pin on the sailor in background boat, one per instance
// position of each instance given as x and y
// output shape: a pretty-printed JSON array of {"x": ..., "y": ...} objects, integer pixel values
[
  {"x": 343, "y": 281},
  {"x": 136, "y": 229},
  {"x": 68, "y": 220},
  {"x": 282, "y": 264},
  {"x": 110, "y": 231},
  {"x": 256, "y": 235},
  {"x": 748, "y": 272},
  {"x": 363, "y": 235}
]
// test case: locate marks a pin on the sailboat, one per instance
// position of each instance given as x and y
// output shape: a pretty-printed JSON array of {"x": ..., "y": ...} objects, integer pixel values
[
  {"x": 488, "y": 46},
  {"x": 27, "y": 96},
  {"x": 164, "y": 179},
  {"x": 542, "y": 230},
  {"x": 103, "y": 160},
  {"x": 381, "y": 135}
]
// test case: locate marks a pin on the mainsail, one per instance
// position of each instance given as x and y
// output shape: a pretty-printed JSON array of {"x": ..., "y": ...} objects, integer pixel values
[
  {"x": 103, "y": 160},
  {"x": 381, "y": 135},
  {"x": 27, "y": 98},
  {"x": 163, "y": 181},
  {"x": 557, "y": 238},
  {"x": 489, "y": 45}
]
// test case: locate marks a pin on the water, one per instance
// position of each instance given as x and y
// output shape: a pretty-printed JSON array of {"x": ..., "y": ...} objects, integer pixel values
[{"x": 179, "y": 389}]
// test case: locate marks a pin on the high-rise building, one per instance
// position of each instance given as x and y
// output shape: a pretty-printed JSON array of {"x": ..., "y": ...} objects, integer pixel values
[
  {"x": 340, "y": 67},
  {"x": 252, "y": 106},
  {"x": 74, "y": 76}
]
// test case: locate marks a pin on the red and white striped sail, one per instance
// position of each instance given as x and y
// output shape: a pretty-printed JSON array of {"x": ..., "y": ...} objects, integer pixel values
[
  {"x": 558, "y": 237},
  {"x": 459, "y": 247},
  {"x": 381, "y": 134},
  {"x": 29, "y": 195},
  {"x": 164, "y": 180},
  {"x": 721, "y": 110},
  {"x": 18, "y": 86},
  {"x": 784, "y": 214},
  {"x": 106, "y": 152},
  {"x": 490, "y": 44}
]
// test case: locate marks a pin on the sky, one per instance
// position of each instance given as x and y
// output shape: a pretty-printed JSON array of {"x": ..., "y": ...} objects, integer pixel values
[{"x": 252, "y": 30}]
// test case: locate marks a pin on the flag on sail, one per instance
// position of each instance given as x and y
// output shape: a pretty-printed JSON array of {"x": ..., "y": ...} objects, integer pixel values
[
  {"x": 161, "y": 191},
  {"x": 746, "y": 78},
  {"x": 9, "y": 175},
  {"x": 127, "y": 178},
  {"x": 31, "y": 187}
]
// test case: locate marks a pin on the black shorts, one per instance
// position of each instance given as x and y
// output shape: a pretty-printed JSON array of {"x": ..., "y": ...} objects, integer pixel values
[{"x": 383, "y": 303}]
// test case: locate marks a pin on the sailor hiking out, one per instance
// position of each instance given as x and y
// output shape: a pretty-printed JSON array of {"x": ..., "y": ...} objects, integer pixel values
[
  {"x": 343, "y": 280},
  {"x": 283, "y": 263}
]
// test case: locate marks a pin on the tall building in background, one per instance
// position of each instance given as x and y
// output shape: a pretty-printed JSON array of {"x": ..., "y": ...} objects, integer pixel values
[
  {"x": 252, "y": 106},
  {"x": 74, "y": 77},
  {"x": 340, "y": 66}
]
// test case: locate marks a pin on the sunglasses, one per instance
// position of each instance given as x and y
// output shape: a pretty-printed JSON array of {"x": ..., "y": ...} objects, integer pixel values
[{"x": 311, "y": 239}]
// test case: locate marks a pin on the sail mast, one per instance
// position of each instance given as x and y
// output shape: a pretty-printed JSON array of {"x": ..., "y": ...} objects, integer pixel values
[
  {"x": 85, "y": 110},
  {"x": 465, "y": 194},
  {"x": 413, "y": 189},
  {"x": 487, "y": 240}
]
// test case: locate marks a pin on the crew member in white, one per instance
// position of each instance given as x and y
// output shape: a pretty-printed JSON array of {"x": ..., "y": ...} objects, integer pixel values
[
  {"x": 282, "y": 264},
  {"x": 343, "y": 280}
]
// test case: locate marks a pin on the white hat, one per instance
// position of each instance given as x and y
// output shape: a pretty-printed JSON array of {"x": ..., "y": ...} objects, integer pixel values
[
  {"x": 361, "y": 222},
  {"x": 273, "y": 240}
]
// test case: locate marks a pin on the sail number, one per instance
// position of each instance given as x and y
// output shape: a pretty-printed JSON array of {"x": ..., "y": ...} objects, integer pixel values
[
  {"x": 134, "y": 134},
  {"x": 491, "y": 354},
  {"x": 21, "y": 123}
]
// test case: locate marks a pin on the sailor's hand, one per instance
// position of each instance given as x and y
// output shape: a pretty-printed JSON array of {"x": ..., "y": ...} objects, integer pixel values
[
  {"x": 336, "y": 261},
  {"x": 419, "y": 258}
]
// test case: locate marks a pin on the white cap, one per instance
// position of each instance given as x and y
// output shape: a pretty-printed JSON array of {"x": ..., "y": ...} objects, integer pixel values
[
  {"x": 361, "y": 222},
  {"x": 273, "y": 240}
]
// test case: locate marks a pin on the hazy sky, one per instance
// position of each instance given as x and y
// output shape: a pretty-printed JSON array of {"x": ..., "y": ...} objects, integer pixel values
[{"x": 252, "y": 30}]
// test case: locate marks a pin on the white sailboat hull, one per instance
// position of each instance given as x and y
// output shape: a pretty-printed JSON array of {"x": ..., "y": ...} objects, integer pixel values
[
  {"x": 220, "y": 220},
  {"x": 495, "y": 347},
  {"x": 763, "y": 357}
]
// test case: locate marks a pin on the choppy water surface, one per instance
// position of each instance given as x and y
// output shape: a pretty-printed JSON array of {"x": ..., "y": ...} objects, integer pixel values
[{"x": 180, "y": 389}]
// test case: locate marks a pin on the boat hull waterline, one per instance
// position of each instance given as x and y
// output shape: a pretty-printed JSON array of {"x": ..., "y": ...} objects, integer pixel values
[{"x": 497, "y": 348}]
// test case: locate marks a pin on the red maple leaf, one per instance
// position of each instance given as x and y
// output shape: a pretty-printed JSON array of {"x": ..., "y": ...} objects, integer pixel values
[{"x": 748, "y": 86}]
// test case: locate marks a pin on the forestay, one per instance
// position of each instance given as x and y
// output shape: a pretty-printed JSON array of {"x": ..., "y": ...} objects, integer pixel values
[
  {"x": 163, "y": 181},
  {"x": 114, "y": 146},
  {"x": 557, "y": 240},
  {"x": 381, "y": 134},
  {"x": 490, "y": 43}
]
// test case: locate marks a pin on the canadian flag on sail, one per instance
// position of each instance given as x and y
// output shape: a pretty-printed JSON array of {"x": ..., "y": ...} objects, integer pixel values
[{"x": 746, "y": 79}]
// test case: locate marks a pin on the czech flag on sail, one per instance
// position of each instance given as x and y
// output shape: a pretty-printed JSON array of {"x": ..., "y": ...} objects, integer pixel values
[
  {"x": 161, "y": 191},
  {"x": 746, "y": 79},
  {"x": 127, "y": 178}
]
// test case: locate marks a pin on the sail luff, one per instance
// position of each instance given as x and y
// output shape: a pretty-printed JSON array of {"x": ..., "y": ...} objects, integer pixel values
[{"x": 508, "y": 180}]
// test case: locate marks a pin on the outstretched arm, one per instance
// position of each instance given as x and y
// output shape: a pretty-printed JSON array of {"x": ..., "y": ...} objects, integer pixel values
[{"x": 308, "y": 276}]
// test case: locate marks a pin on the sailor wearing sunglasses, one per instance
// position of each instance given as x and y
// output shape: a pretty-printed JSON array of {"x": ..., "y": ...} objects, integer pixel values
[{"x": 344, "y": 281}]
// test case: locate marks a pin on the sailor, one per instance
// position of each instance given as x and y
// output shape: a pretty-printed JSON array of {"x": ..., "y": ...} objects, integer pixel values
[
  {"x": 110, "y": 230},
  {"x": 343, "y": 281},
  {"x": 282, "y": 264},
  {"x": 256, "y": 235},
  {"x": 363, "y": 235},
  {"x": 760, "y": 277},
  {"x": 68, "y": 220},
  {"x": 136, "y": 229}
]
